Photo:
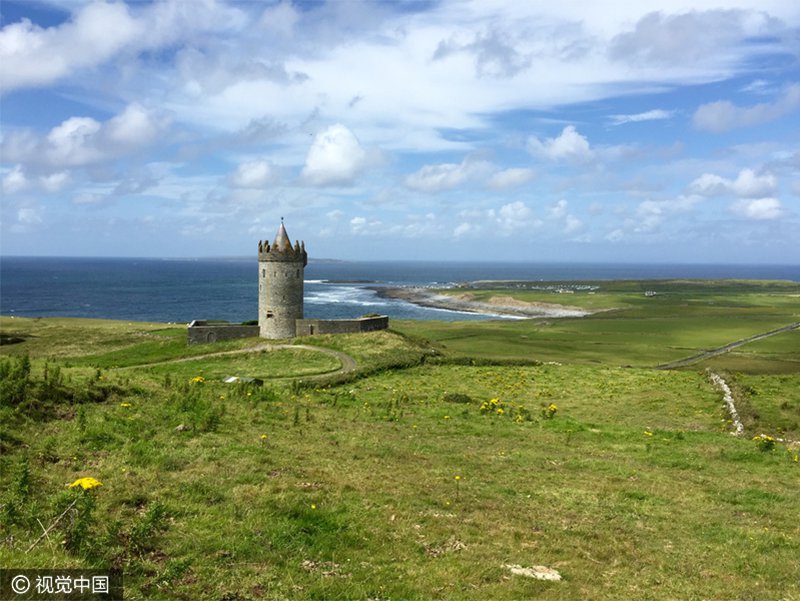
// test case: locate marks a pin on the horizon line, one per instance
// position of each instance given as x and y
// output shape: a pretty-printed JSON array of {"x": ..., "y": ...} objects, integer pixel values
[{"x": 333, "y": 260}]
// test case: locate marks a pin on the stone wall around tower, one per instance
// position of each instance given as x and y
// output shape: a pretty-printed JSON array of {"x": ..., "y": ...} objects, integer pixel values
[
  {"x": 311, "y": 327},
  {"x": 205, "y": 332}
]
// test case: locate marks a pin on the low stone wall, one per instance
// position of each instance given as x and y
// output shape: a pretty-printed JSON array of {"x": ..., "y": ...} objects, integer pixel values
[
  {"x": 310, "y": 327},
  {"x": 202, "y": 332}
]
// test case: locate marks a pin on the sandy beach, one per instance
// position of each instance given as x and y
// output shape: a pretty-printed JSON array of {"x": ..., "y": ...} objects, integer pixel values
[{"x": 496, "y": 305}]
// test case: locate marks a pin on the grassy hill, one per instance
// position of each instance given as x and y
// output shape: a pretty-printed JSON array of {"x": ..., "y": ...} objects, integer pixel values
[{"x": 450, "y": 453}]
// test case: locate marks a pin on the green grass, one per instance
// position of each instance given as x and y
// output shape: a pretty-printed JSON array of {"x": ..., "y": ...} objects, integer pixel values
[
  {"x": 279, "y": 363},
  {"x": 633, "y": 489},
  {"x": 379, "y": 512},
  {"x": 683, "y": 319}
]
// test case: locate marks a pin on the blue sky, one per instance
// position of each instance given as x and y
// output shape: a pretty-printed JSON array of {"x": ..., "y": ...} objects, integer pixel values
[{"x": 506, "y": 130}]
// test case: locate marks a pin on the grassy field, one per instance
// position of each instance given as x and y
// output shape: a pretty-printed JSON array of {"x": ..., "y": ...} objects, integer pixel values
[
  {"x": 424, "y": 474},
  {"x": 682, "y": 319}
]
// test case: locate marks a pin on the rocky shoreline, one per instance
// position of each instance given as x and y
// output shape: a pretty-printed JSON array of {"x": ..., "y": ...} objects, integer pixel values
[{"x": 496, "y": 305}]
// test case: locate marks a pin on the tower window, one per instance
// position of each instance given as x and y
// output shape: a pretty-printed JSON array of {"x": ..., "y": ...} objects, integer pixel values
[
  {"x": 263, "y": 273},
  {"x": 269, "y": 315},
  {"x": 298, "y": 273}
]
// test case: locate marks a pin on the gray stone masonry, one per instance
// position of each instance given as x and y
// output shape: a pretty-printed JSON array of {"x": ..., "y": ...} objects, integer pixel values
[
  {"x": 280, "y": 285},
  {"x": 201, "y": 332},
  {"x": 310, "y": 327},
  {"x": 281, "y": 268}
]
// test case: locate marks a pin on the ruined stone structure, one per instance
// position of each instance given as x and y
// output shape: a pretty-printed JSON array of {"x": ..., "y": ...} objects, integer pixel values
[
  {"x": 281, "y": 268},
  {"x": 280, "y": 285}
]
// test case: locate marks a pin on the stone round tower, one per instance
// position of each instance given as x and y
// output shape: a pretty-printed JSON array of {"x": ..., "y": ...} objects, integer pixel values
[{"x": 280, "y": 285}]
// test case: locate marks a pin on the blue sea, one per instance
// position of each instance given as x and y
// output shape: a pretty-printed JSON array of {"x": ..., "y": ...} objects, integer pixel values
[{"x": 180, "y": 290}]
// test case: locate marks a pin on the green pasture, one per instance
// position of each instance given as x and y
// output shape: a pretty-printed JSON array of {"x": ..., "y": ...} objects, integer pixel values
[
  {"x": 278, "y": 363},
  {"x": 452, "y": 451},
  {"x": 681, "y": 320},
  {"x": 399, "y": 485}
]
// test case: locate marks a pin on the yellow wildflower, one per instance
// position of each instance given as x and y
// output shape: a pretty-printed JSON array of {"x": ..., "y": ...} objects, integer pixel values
[
  {"x": 124, "y": 404},
  {"x": 458, "y": 477},
  {"x": 647, "y": 433},
  {"x": 500, "y": 411},
  {"x": 198, "y": 380},
  {"x": 86, "y": 483},
  {"x": 263, "y": 437}
]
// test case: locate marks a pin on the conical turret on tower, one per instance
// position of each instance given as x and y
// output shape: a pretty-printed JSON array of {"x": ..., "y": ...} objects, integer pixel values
[{"x": 280, "y": 285}]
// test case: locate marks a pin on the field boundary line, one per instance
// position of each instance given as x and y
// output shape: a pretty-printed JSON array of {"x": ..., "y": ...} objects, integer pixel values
[{"x": 725, "y": 348}]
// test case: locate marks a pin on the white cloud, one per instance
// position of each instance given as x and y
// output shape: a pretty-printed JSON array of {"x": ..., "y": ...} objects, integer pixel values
[
  {"x": 496, "y": 53},
  {"x": 709, "y": 184},
  {"x": 35, "y": 56},
  {"x": 758, "y": 209},
  {"x": 507, "y": 220},
  {"x": 568, "y": 146},
  {"x": 651, "y": 213},
  {"x": 133, "y": 128},
  {"x": 558, "y": 210},
  {"x": 15, "y": 181},
  {"x": 464, "y": 228},
  {"x": 335, "y": 158},
  {"x": 515, "y": 216},
  {"x": 746, "y": 185},
  {"x": 572, "y": 224},
  {"x": 280, "y": 20},
  {"x": 446, "y": 176},
  {"x": 312, "y": 64},
  {"x": 700, "y": 36},
  {"x": 96, "y": 33},
  {"x": 74, "y": 142},
  {"x": 253, "y": 174},
  {"x": 363, "y": 226},
  {"x": 89, "y": 198},
  {"x": 750, "y": 185},
  {"x": 723, "y": 115},
  {"x": 80, "y": 141},
  {"x": 653, "y": 115},
  {"x": 511, "y": 178},
  {"x": 55, "y": 181},
  {"x": 29, "y": 216}
]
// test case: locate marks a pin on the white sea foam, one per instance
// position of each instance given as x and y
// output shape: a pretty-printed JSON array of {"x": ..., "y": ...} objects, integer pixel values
[{"x": 342, "y": 294}]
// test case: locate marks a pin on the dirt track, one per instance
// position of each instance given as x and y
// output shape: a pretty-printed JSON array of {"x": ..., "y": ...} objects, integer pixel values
[{"x": 348, "y": 363}]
